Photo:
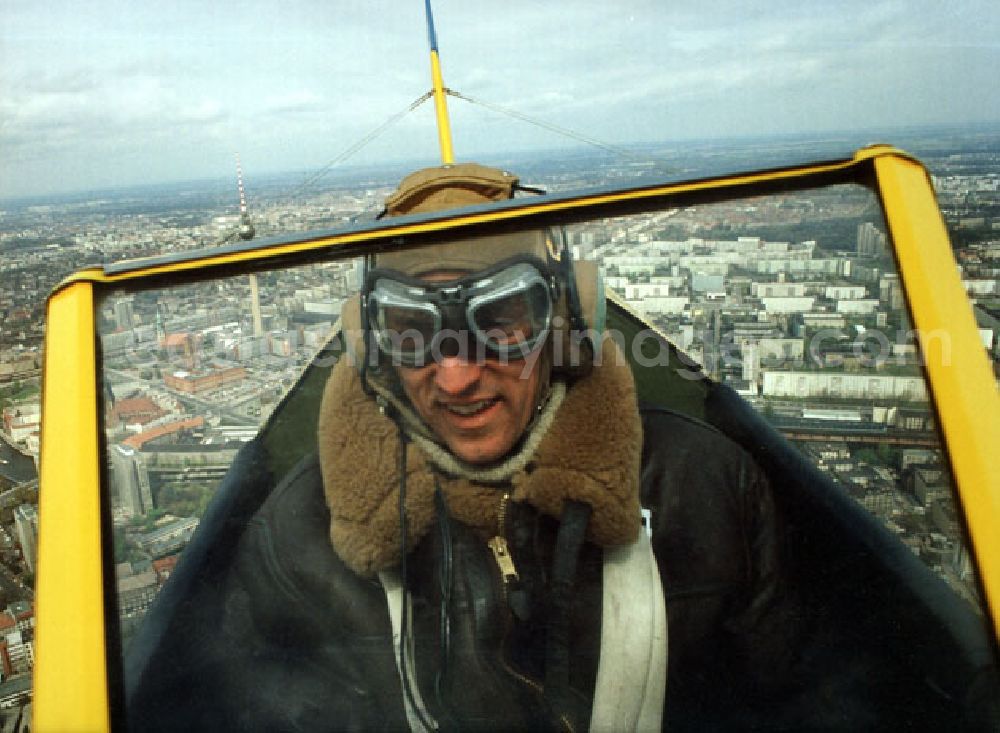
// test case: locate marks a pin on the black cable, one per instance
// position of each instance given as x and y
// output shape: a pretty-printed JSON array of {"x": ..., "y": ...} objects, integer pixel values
[
  {"x": 579, "y": 328},
  {"x": 405, "y": 620},
  {"x": 530, "y": 189},
  {"x": 366, "y": 335},
  {"x": 569, "y": 543},
  {"x": 445, "y": 580},
  {"x": 572, "y": 291}
]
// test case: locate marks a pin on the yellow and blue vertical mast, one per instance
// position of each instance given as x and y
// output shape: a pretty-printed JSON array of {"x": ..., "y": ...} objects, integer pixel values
[{"x": 440, "y": 103}]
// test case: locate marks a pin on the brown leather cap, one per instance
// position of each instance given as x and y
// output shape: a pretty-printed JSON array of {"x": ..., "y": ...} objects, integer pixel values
[
  {"x": 448, "y": 187},
  {"x": 465, "y": 255}
]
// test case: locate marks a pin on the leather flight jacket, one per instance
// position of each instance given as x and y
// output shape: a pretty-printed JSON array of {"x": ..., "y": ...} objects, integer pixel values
[
  {"x": 269, "y": 630},
  {"x": 301, "y": 642}
]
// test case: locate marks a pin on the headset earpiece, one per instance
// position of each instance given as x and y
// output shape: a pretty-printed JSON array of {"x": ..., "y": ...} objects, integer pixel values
[{"x": 584, "y": 306}]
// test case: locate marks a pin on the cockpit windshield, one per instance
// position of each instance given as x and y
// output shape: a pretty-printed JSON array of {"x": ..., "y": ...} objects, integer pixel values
[{"x": 766, "y": 335}]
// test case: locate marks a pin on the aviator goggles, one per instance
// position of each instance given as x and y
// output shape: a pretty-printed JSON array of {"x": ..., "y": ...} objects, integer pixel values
[{"x": 507, "y": 311}]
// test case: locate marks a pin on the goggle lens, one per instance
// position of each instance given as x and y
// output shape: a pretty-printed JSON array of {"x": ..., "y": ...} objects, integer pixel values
[
  {"x": 504, "y": 315},
  {"x": 405, "y": 331},
  {"x": 514, "y": 322}
]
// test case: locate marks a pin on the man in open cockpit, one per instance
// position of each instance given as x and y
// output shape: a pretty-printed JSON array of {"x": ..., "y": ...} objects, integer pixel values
[
  {"x": 483, "y": 562},
  {"x": 467, "y": 548}
]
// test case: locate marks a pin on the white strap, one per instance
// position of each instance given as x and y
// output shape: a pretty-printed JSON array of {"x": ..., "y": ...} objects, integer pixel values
[
  {"x": 632, "y": 674},
  {"x": 394, "y": 598}
]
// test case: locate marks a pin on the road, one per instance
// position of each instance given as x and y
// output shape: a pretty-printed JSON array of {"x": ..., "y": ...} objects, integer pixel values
[{"x": 14, "y": 465}]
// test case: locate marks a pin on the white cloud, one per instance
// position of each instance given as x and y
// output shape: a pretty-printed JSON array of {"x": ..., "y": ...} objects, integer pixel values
[
  {"x": 295, "y": 101},
  {"x": 134, "y": 88}
]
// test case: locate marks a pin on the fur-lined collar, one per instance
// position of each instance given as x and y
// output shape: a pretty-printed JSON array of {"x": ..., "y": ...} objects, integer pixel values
[{"x": 590, "y": 453}]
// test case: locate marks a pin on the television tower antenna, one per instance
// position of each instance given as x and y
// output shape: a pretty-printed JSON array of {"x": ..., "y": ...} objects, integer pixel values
[{"x": 246, "y": 230}]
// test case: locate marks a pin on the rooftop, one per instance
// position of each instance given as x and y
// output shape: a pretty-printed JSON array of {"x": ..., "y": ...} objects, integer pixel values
[{"x": 140, "y": 439}]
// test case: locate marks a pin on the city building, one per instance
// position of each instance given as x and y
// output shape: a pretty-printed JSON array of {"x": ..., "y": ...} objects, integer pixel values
[
  {"x": 136, "y": 593},
  {"x": 124, "y": 314},
  {"x": 26, "y": 528},
  {"x": 130, "y": 480},
  {"x": 871, "y": 241},
  {"x": 205, "y": 380},
  {"x": 844, "y": 386},
  {"x": 21, "y": 421},
  {"x": 169, "y": 537}
]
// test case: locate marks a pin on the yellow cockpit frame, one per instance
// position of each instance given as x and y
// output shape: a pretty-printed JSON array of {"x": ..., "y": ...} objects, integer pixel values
[{"x": 71, "y": 680}]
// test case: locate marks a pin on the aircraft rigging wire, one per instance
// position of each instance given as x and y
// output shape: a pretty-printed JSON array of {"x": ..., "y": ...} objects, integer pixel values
[
  {"x": 546, "y": 125},
  {"x": 233, "y": 234},
  {"x": 373, "y": 134},
  {"x": 359, "y": 144}
]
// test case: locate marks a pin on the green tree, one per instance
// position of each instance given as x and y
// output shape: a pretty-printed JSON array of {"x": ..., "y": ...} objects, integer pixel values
[{"x": 867, "y": 455}]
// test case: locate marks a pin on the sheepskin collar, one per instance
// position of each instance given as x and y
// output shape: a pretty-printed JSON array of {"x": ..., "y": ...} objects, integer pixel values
[{"x": 590, "y": 453}]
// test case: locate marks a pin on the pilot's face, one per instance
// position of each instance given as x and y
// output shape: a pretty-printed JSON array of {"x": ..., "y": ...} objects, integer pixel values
[{"x": 479, "y": 409}]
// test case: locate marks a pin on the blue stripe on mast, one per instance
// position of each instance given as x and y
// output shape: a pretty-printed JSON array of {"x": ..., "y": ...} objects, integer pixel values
[{"x": 431, "y": 35}]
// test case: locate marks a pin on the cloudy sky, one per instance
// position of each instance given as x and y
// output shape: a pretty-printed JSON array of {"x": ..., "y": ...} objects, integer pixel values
[{"x": 117, "y": 92}]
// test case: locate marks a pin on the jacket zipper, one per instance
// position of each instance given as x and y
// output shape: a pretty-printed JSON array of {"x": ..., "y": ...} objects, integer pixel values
[
  {"x": 508, "y": 574},
  {"x": 501, "y": 551}
]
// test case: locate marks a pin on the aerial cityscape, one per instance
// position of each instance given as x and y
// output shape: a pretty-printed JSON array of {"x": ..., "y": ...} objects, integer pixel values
[{"x": 792, "y": 299}]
